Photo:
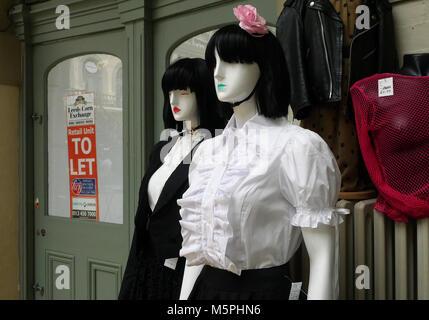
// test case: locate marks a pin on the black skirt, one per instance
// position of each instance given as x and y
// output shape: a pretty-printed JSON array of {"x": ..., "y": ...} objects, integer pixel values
[
  {"x": 256, "y": 284},
  {"x": 146, "y": 277}
]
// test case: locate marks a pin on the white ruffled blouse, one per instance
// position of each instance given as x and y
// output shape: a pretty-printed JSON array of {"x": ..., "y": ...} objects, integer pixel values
[{"x": 251, "y": 188}]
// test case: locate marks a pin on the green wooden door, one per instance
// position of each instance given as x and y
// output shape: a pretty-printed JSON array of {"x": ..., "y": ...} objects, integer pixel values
[{"x": 80, "y": 153}]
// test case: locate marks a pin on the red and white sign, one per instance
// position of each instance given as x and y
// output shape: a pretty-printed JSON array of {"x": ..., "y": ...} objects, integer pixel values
[{"x": 82, "y": 157}]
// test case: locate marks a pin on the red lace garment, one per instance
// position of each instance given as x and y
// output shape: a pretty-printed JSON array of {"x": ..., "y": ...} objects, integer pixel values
[{"x": 393, "y": 132}]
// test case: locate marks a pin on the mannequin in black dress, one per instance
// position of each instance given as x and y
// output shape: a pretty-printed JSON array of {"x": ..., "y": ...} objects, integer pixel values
[
  {"x": 416, "y": 65},
  {"x": 154, "y": 270}
]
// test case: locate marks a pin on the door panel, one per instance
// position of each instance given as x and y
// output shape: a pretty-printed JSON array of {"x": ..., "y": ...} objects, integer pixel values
[
  {"x": 103, "y": 278},
  {"x": 80, "y": 258},
  {"x": 60, "y": 271}
]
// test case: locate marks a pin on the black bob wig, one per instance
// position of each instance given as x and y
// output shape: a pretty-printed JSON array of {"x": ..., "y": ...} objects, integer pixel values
[
  {"x": 234, "y": 45},
  {"x": 192, "y": 73}
]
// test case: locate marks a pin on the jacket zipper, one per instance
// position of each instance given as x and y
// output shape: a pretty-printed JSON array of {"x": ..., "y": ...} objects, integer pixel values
[
  {"x": 326, "y": 55},
  {"x": 350, "y": 51}
]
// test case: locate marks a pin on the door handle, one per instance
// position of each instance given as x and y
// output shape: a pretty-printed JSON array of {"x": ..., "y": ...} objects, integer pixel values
[
  {"x": 39, "y": 288},
  {"x": 36, "y": 117}
]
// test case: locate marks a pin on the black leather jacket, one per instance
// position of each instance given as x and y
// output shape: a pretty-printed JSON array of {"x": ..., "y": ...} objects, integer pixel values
[{"x": 311, "y": 34}]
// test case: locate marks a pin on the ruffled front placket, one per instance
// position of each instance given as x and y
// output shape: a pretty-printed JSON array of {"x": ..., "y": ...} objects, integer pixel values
[{"x": 206, "y": 229}]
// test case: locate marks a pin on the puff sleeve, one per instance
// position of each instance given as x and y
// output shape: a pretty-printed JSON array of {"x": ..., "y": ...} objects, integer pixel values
[
  {"x": 190, "y": 212},
  {"x": 310, "y": 180}
]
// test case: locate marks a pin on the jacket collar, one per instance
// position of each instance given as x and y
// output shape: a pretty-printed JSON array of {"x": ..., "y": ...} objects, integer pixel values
[
  {"x": 175, "y": 181},
  {"x": 326, "y": 7}
]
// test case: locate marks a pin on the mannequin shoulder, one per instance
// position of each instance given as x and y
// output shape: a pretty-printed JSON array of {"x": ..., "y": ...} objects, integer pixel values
[
  {"x": 207, "y": 147},
  {"x": 162, "y": 146},
  {"x": 298, "y": 138},
  {"x": 161, "y": 143},
  {"x": 210, "y": 142}
]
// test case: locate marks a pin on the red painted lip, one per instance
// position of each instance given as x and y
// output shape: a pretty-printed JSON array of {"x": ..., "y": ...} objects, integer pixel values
[{"x": 176, "y": 110}]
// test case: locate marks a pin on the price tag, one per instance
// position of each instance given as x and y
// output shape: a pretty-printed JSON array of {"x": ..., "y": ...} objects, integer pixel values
[
  {"x": 171, "y": 263},
  {"x": 295, "y": 290},
  {"x": 385, "y": 87}
]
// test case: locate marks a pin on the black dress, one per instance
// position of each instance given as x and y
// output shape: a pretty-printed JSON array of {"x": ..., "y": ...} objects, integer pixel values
[{"x": 157, "y": 236}]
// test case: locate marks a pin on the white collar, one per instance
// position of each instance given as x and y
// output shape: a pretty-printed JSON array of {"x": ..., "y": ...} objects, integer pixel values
[{"x": 256, "y": 121}]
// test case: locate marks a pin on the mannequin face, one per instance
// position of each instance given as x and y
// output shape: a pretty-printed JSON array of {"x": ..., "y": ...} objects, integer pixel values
[
  {"x": 234, "y": 81},
  {"x": 183, "y": 105}
]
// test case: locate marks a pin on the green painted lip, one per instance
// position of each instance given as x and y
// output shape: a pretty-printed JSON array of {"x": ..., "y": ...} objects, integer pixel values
[{"x": 221, "y": 86}]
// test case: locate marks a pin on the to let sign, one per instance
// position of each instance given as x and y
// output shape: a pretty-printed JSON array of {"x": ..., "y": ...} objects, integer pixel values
[{"x": 82, "y": 158}]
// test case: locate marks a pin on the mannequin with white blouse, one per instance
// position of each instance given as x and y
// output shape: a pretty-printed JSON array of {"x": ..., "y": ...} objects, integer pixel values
[{"x": 234, "y": 82}]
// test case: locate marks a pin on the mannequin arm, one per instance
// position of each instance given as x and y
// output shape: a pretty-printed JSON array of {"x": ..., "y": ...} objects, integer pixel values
[
  {"x": 320, "y": 244},
  {"x": 190, "y": 275}
]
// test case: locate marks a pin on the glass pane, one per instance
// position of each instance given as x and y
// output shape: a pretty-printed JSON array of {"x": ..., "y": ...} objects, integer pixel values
[
  {"x": 194, "y": 47},
  {"x": 85, "y": 139}
]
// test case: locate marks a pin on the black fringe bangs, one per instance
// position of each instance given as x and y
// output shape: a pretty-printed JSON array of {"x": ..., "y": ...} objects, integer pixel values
[{"x": 192, "y": 73}]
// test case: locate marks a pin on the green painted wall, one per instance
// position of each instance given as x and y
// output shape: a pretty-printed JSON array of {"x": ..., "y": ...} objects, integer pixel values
[{"x": 10, "y": 67}]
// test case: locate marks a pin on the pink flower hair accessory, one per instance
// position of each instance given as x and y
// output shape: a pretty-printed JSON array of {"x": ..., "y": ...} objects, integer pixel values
[{"x": 250, "y": 21}]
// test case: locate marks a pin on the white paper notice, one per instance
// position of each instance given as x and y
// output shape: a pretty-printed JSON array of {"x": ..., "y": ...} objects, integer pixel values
[
  {"x": 385, "y": 87},
  {"x": 80, "y": 109}
]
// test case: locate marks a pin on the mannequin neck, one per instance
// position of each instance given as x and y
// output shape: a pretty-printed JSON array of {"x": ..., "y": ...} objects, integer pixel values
[
  {"x": 190, "y": 124},
  {"x": 416, "y": 65},
  {"x": 245, "y": 111}
]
